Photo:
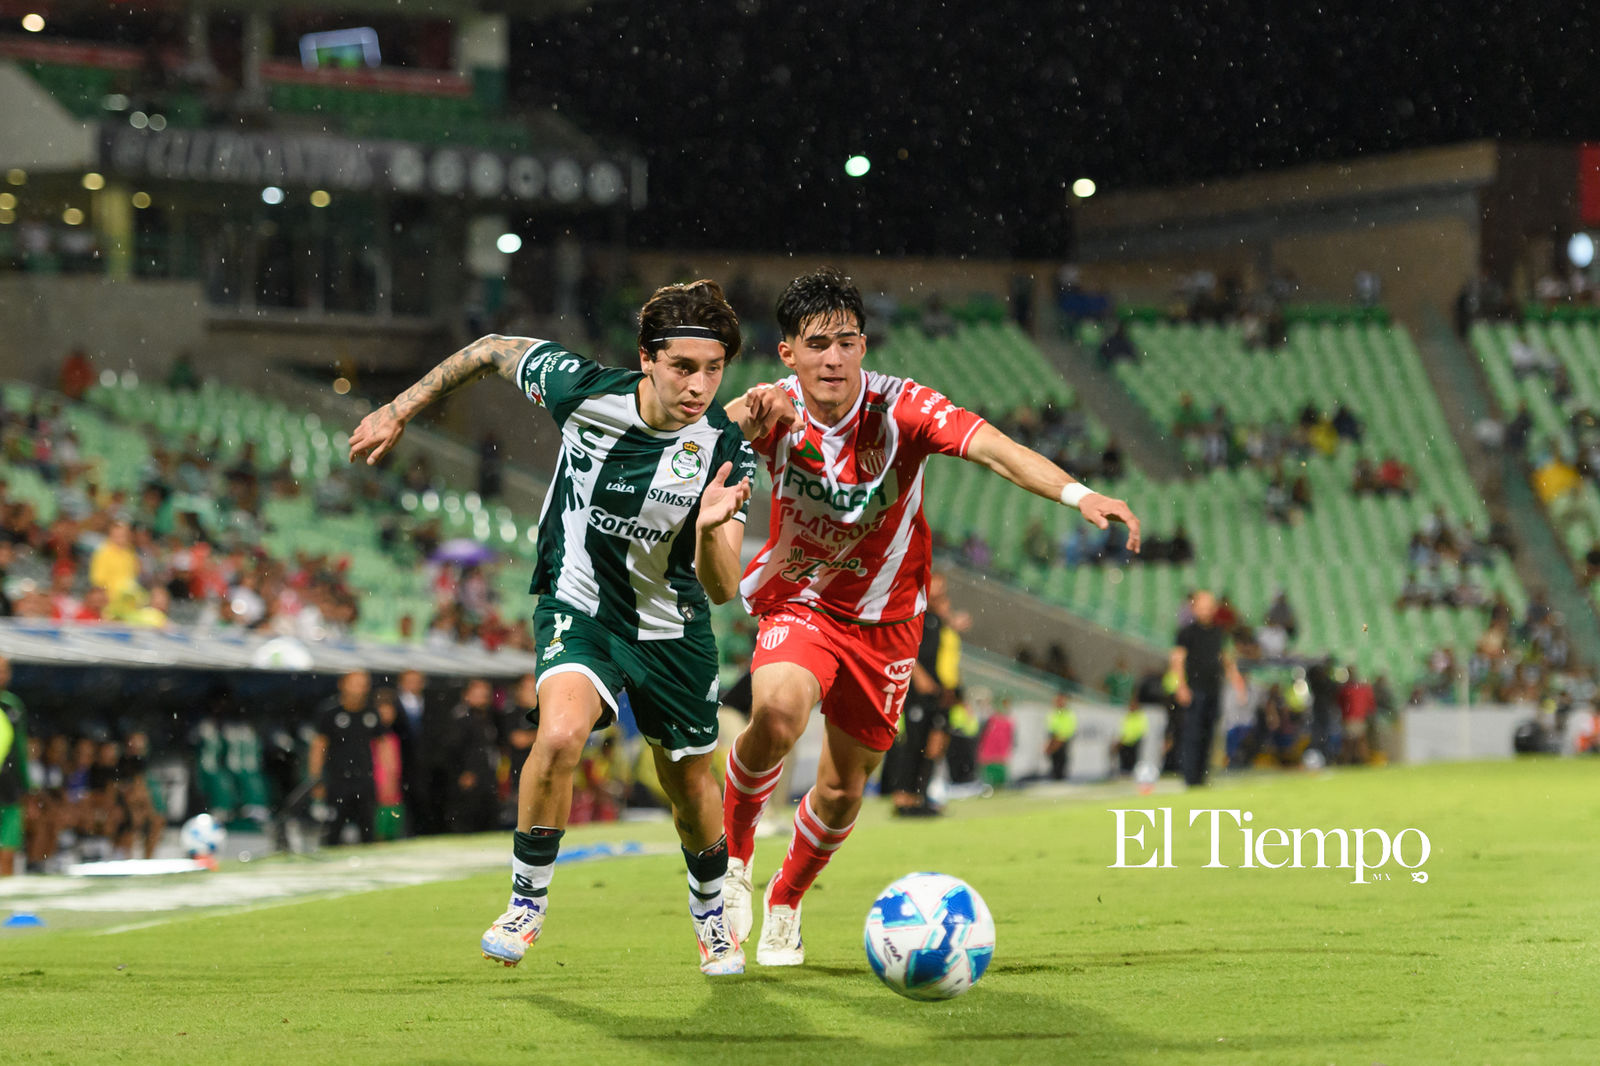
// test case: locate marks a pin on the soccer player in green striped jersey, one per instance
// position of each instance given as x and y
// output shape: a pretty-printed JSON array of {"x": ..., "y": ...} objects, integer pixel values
[{"x": 641, "y": 525}]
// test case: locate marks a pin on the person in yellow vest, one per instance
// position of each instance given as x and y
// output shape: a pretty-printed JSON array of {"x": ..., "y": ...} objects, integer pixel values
[
  {"x": 1062, "y": 726},
  {"x": 1135, "y": 724},
  {"x": 962, "y": 757}
]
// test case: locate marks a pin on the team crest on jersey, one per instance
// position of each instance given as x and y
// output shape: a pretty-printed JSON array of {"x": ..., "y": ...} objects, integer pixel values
[
  {"x": 686, "y": 462},
  {"x": 773, "y": 637},
  {"x": 872, "y": 451}
]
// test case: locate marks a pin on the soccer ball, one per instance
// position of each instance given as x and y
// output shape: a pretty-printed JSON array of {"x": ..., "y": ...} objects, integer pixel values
[
  {"x": 201, "y": 837},
  {"x": 929, "y": 936}
]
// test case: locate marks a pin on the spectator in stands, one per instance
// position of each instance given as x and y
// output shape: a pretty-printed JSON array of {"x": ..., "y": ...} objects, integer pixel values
[
  {"x": 77, "y": 375},
  {"x": 1188, "y": 420},
  {"x": 1180, "y": 550},
  {"x": 936, "y": 321},
  {"x": 1118, "y": 683},
  {"x": 341, "y": 759},
  {"x": 1347, "y": 425},
  {"x": 1111, "y": 460},
  {"x": 975, "y": 552},
  {"x": 1117, "y": 347},
  {"x": 1517, "y": 430},
  {"x": 1555, "y": 478},
  {"x": 181, "y": 375},
  {"x": 1529, "y": 358},
  {"x": 114, "y": 565},
  {"x": 1036, "y": 544},
  {"x": 1394, "y": 478}
]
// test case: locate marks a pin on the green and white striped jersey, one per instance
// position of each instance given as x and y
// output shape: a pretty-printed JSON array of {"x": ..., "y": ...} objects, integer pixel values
[{"x": 616, "y": 535}]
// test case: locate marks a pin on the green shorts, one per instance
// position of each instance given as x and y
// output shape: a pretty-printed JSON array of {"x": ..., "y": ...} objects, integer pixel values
[
  {"x": 671, "y": 684},
  {"x": 10, "y": 827}
]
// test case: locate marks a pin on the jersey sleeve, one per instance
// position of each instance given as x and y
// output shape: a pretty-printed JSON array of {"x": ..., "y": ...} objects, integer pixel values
[
  {"x": 733, "y": 448},
  {"x": 932, "y": 425},
  {"x": 558, "y": 380}
]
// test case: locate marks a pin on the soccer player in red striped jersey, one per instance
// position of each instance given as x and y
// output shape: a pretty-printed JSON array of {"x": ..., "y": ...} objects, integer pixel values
[{"x": 841, "y": 584}]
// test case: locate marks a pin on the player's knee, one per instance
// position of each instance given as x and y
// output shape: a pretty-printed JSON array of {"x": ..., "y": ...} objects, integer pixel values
[
  {"x": 557, "y": 747},
  {"x": 833, "y": 796},
  {"x": 778, "y": 723}
]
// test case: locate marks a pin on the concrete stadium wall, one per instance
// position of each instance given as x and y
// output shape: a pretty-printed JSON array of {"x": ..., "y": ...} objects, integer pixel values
[{"x": 136, "y": 326}]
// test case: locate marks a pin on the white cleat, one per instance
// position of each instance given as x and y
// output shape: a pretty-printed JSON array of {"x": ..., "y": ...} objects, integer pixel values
[
  {"x": 513, "y": 933},
  {"x": 737, "y": 899},
  {"x": 720, "y": 952},
  {"x": 780, "y": 935}
]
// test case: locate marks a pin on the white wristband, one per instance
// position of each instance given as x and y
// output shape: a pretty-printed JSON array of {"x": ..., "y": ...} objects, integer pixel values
[{"x": 1074, "y": 492}]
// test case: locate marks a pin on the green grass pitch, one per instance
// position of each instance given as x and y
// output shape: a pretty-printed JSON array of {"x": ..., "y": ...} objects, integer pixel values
[{"x": 1493, "y": 960}]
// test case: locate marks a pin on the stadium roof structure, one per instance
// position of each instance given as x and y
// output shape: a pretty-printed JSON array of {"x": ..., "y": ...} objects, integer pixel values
[
  {"x": 189, "y": 648},
  {"x": 548, "y": 163}
]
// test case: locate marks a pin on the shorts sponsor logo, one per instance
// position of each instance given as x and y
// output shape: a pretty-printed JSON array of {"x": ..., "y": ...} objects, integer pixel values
[
  {"x": 671, "y": 499},
  {"x": 627, "y": 528},
  {"x": 773, "y": 637},
  {"x": 900, "y": 670},
  {"x": 686, "y": 461}
]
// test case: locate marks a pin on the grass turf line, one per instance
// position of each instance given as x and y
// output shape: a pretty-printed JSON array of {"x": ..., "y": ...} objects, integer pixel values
[{"x": 1492, "y": 961}]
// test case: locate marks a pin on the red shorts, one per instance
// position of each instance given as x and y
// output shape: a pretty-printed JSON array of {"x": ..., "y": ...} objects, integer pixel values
[{"x": 864, "y": 671}]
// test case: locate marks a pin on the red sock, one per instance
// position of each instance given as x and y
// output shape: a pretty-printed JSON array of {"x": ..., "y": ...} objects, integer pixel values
[
  {"x": 813, "y": 845},
  {"x": 743, "y": 799}
]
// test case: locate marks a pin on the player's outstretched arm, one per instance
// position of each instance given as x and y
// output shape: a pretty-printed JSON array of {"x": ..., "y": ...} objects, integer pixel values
[
  {"x": 1026, "y": 468},
  {"x": 717, "y": 535},
  {"x": 380, "y": 431},
  {"x": 761, "y": 408}
]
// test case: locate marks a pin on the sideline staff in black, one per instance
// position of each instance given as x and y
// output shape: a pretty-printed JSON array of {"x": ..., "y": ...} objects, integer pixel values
[
  {"x": 1200, "y": 660},
  {"x": 341, "y": 754}
]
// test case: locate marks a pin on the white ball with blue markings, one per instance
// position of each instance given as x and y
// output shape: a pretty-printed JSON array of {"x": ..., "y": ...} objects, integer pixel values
[
  {"x": 929, "y": 936},
  {"x": 201, "y": 837}
]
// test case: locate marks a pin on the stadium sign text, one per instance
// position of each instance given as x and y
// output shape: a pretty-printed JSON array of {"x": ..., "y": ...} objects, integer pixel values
[
  {"x": 332, "y": 162},
  {"x": 1364, "y": 851}
]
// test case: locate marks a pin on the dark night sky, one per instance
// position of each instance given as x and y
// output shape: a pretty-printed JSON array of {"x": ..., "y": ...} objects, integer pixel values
[{"x": 747, "y": 109}]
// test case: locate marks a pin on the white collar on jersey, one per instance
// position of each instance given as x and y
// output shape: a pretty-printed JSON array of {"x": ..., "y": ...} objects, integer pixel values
[{"x": 834, "y": 436}]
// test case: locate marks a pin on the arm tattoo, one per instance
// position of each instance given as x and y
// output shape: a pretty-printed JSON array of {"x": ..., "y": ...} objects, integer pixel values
[{"x": 491, "y": 354}]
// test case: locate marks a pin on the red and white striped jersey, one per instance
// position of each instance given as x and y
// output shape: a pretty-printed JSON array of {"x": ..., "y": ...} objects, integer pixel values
[{"x": 847, "y": 532}]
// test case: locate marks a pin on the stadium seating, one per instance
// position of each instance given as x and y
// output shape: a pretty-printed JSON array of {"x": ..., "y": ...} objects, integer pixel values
[
  {"x": 1575, "y": 342},
  {"x": 987, "y": 365},
  {"x": 401, "y": 116},
  {"x": 1344, "y": 565}
]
